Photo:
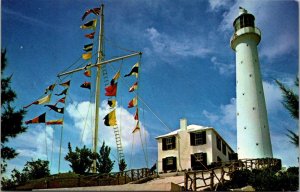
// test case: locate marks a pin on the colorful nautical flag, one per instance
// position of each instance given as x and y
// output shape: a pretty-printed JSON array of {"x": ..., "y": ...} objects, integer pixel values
[
  {"x": 133, "y": 87},
  {"x": 86, "y": 85},
  {"x": 137, "y": 128},
  {"x": 134, "y": 70},
  {"x": 132, "y": 103},
  {"x": 87, "y": 73},
  {"x": 50, "y": 88},
  {"x": 64, "y": 92},
  {"x": 96, "y": 11},
  {"x": 39, "y": 119},
  {"x": 41, "y": 101},
  {"x": 110, "y": 119},
  {"x": 111, "y": 90},
  {"x": 56, "y": 109},
  {"x": 111, "y": 103},
  {"x": 136, "y": 115},
  {"x": 87, "y": 56},
  {"x": 89, "y": 25},
  {"x": 62, "y": 100},
  {"x": 90, "y": 35},
  {"x": 88, "y": 47},
  {"x": 66, "y": 84},
  {"x": 114, "y": 79},
  {"x": 55, "y": 122}
]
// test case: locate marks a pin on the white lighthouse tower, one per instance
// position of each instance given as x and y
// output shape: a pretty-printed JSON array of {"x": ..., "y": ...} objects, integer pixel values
[{"x": 253, "y": 135}]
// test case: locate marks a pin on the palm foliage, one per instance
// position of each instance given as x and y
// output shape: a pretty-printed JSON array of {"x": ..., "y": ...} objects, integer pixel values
[{"x": 291, "y": 103}]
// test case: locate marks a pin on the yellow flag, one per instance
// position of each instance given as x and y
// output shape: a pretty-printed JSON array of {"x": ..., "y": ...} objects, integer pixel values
[
  {"x": 110, "y": 119},
  {"x": 55, "y": 122},
  {"x": 44, "y": 100},
  {"x": 87, "y": 56}
]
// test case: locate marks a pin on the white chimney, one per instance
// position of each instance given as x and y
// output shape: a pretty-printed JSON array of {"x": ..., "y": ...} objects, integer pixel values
[{"x": 183, "y": 124}]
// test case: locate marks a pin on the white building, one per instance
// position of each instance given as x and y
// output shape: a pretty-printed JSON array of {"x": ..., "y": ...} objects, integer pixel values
[{"x": 191, "y": 147}]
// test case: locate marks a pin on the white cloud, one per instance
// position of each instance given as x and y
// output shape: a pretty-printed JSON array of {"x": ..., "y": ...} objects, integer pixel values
[
  {"x": 280, "y": 144},
  {"x": 27, "y": 19},
  {"x": 223, "y": 68},
  {"x": 216, "y": 4},
  {"x": 283, "y": 44},
  {"x": 210, "y": 116},
  {"x": 124, "y": 118},
  {"x": 272, "y": 96},
  {"x": 168, "y": 46},
  {"x": 226, "y": 115},
  {"x": 32, "y": 144}
]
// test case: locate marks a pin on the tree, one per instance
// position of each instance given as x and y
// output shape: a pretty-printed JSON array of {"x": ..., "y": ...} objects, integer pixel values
[
  {"x": 104, "y": 163},
  {"x": 81, "y": 159},
  {"x": 36, "y": 169},
  {"x": 122, "y": 165},
  {"x": 291, "y": 103},
  {"x": 32, "y": 170},
  {"x": 11, "y": 119}
]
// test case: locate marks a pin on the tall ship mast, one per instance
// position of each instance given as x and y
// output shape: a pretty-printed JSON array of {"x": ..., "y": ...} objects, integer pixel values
[{"x": 110, "y": 87}]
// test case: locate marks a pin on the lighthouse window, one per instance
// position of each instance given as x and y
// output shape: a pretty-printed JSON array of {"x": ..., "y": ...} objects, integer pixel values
[
  {"x": 253, "y": 108},
  {"x": 245, "y": 20},
  {"x": 245, "y": 127},
  {"x": 256, "y": 144},
  {"x": 250, "y": 75},
  {"x": 243, "y": 93},
  {"x": 241, "y": 62}
]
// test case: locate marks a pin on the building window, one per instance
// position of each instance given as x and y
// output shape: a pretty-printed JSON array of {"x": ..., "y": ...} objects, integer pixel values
[
  {"x": 198, "y": 161},
  {"x": 233, "y": 156},
  {"x": 224, "y": 148},
  {"x": 169, "y": 164},
  {"x": 198, "y": 138},
  {"x": 219, "y": 159},
  {"x": 219, "y": 143},
  {"x": 169, "y": 143}
]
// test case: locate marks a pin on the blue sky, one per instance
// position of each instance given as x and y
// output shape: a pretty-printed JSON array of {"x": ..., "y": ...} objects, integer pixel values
[{"x": 187, "y": 70}]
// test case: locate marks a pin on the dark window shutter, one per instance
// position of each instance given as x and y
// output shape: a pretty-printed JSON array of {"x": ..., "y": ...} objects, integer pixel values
[
  {"x": 204, "y": 155},
  {"x": 174, "y": 142},
  {"x": 192, "y": 139},
  {"x": 204, "y": 137},
  {"x": 192, "y": 161},
  {"x": 164, "y": 145},
  {"x": 164, "y": 161},
  {"x": 174, "y": 167}
]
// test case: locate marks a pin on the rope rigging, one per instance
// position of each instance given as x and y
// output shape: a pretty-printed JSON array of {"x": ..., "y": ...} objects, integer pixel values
[{"x": 102, "y": 68}]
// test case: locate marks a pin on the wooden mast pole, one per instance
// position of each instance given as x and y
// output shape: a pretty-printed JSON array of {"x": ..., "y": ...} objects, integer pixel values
[{"x": 98, "y": 78}]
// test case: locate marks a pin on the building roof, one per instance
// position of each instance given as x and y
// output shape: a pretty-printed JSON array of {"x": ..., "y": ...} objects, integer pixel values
[
  {"x": 193, "y": 128},
  {"x": 190, "y": 128}
]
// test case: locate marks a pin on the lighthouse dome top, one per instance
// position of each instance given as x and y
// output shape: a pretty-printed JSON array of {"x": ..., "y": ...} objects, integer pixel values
[{"x": 244, "y": 19}]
